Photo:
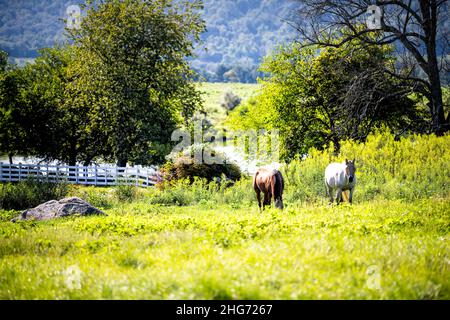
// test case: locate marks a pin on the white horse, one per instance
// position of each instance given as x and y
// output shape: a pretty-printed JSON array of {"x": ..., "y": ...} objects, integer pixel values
[{"x": 340, "y": 177}]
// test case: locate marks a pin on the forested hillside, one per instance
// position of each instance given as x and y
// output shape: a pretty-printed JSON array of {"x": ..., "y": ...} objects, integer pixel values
[
  {"x": 239, "y": 32},
  {"x": 28, "y": 25}
]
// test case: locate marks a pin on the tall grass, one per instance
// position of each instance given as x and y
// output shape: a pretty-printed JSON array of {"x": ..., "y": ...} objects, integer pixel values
[
  {"x": 410, "y": 168},
  {"x": 30, "y": 193},
  {"x": 203, "y": 193}
]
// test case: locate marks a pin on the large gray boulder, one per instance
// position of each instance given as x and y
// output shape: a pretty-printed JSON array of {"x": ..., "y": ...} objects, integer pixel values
[{"x": 62, "y": 208}]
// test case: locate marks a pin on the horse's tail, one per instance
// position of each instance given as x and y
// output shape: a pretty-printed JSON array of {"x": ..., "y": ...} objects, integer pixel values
[
  {"x": 277, "y": 185},
  {"x": 255, "y": 185}
]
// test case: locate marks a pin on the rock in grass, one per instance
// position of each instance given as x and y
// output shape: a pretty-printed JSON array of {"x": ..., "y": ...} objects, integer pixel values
[{"x": 62, "y": 208}]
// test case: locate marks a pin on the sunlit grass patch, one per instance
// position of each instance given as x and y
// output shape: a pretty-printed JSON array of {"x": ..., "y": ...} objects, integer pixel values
[{"x": 377, "y": 250}]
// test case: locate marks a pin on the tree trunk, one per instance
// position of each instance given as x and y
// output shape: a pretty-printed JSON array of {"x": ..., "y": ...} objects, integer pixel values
[
  {"x": 73, "y": 151},
  {"x": 122, "y": 162},
  {"x": 87, "y": 161},
  {"x": 334, "y": 136},
  {"x": 337, "y": 146},
  {"x": 10, "y": 157},
  {"x": 429, "y": 14},
  {"x": 440, "y": 125},
  {"x": 72, "y": 163}
]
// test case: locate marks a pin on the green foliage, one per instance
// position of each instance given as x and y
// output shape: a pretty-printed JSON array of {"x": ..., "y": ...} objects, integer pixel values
[
  {"x": 183, "y": 166},
  {"x": 203, "y": 193},
  {"x": 315, "y": 97},
  {"x": 125, "y": 193},
  {"x": 107, "y": 197},
  {"x": 41, "y": 116},
  {"x": 252, "y": 29},
  {"x": 12, "y": 137},
  {"x": 159, "y": 244},
  {"x": 56, "y": 126},
  {"x": 142, "y": 84},
  {"x": 103, "y": 198},
  {"x": 114, "y": 95},
  {"x": 412, "y": 168},
  {"x": 30, "y": 193},
  {"x": 142, "y": 251},
  {"x": 255, "y": 113}
]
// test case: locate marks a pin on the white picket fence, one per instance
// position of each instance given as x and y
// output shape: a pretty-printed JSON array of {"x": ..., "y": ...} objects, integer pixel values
[{"x": 85, "y": 175}]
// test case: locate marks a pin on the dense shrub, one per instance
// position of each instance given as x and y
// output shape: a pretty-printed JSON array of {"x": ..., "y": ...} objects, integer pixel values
[
  {"x": 183, "y": 166},
  {"x": 30, "y": 193},
  {"x": 125, "y": 193}
]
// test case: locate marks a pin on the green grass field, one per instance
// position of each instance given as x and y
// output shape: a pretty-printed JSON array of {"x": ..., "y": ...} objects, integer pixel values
[
  {"x": 378, "y": 249},
  {"x": 209, "y": 241},
  {"x": 213, "y": 93}
]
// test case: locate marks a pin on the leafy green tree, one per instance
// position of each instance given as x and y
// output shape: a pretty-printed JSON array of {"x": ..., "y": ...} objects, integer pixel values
[
  {"x": 42, "y": 101},
  {"x": 135, "y": 72},
  {"x": 53, "y": 127},
  {"x": 317, "y": 97},
  {"x": 11, "y": 134}
]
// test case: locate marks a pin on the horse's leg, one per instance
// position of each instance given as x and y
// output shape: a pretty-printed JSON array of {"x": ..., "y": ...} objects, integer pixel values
[
  {"x": 350, "y": 196},
  {"x": 330, "y": 193},
  {"x": 266, "y": 199},
  {"x": 258, "y": 196},
  {"x": 338, "y": 195}
]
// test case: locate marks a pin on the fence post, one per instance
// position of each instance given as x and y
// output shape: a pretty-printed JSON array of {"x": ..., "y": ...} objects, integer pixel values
[
  {"x": 46, "y": 166},
  {"x": 1, "y": 171},
  {"x": 137, "y": 177},
  {"x": 10, "y": 169},
  {"x": 38, "y": 173},
  {"x": 146, "y": 175},
  {"x": 96, "y": 172},
  {"x": 105, "y": 171},
  {"x": 20, "y": 170},
  {"x": 115, "y": 176}
]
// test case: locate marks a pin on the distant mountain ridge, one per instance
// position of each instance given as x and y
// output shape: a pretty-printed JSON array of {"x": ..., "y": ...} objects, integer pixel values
[{"x": 239, "y": 32}]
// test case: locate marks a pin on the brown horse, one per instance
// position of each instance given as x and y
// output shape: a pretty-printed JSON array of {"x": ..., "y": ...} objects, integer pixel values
[{"x": 270, "y": 182}]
